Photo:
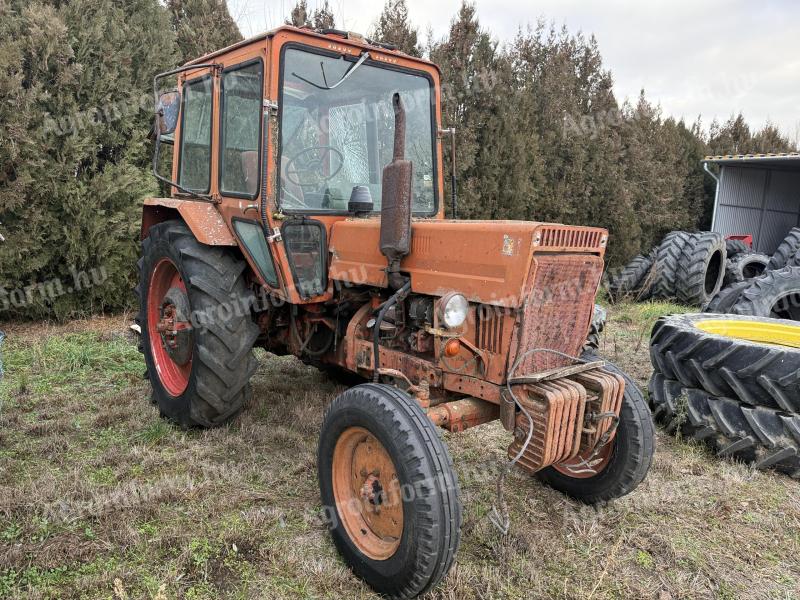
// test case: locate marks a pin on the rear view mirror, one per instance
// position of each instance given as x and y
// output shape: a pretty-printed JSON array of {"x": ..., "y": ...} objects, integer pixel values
[{"x": 167, "y": 112}]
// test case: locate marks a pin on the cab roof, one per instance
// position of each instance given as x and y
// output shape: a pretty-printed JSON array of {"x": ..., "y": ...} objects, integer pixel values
[{"x": 340, "y": 36}]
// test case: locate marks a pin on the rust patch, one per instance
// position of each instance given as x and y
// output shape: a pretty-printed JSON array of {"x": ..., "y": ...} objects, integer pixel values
[
  {"x": 203, "y": 218},
  {"x": 572, "y": 417}
]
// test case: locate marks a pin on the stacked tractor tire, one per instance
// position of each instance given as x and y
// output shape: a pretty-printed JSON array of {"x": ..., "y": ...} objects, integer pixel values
[
  {"x": 732, "y": 382},
  {"x": 687, "y": 267},
  {"x": 717, "y": 275},
  {"x": 773, "y": 291}
]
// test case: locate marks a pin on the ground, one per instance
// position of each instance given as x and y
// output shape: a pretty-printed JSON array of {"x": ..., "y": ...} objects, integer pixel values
[{"x": 101, "y": 498}]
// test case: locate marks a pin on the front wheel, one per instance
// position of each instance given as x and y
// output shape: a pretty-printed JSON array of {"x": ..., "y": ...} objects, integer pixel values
[
  {"x": 388, "y": 490},
  {"x": 619, "y": 467}
]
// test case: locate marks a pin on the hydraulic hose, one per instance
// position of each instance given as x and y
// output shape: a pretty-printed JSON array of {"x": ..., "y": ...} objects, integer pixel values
[{"x": 376, "y": 328}]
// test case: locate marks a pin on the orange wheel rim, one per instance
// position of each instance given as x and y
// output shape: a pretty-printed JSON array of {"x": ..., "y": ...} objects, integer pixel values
[
  {"x": 585, "y": 465},
  {"x": 367, "y": 492}
]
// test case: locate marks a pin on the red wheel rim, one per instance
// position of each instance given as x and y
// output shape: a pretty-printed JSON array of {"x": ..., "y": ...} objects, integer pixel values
[{"x": 162, "y": 327}]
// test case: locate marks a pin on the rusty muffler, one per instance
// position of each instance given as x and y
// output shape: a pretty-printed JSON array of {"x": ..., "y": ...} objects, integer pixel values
[{"x": 396, "y": 201}]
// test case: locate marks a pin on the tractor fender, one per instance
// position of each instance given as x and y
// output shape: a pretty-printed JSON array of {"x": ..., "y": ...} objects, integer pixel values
[{"x": 203, "y": 219}]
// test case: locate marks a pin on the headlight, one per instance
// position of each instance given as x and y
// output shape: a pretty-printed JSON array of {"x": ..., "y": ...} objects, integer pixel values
[{"x": 454, "y": 308}]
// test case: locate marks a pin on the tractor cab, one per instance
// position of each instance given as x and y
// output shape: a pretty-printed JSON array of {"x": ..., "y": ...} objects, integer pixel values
[{"x": 291, "y": 131}]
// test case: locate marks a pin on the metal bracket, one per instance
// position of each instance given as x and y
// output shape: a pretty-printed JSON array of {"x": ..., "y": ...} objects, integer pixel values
[
  {"x": 557, "y": 373},
  {"x": 270, "y": 106},
  {"x": 275, "y": 237}
]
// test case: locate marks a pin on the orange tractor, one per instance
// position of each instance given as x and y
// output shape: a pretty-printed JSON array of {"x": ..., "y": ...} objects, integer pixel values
[{"x": 306, "y": 216}]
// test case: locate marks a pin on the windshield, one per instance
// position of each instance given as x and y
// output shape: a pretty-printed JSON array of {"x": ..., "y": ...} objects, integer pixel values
[{"x": 336, "y": 137}]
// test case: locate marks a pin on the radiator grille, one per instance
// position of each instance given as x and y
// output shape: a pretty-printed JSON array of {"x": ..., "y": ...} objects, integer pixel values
[
  {"x": 489, "y": 322},
  {"x": 558, "y": 308},
  {"x": 572, "y": 238}
]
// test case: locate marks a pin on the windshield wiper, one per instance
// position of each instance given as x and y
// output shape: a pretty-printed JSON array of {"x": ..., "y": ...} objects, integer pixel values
[{"x": 347, "y": 74}]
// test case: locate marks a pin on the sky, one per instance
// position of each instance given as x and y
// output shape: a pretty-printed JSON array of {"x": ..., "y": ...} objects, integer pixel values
[{"x": 711, "y": 59}]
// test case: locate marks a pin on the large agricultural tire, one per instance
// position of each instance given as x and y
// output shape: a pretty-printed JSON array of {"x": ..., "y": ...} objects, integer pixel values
[
  {"x": 630, "y": 457},
  {"x": 749, "y": 359},
  {"x": 701, "y": 269},
  {"x": 764, "y": 437},
  {"x": 199, "y": 376},
  {"x": 723, "y": 302},
  {"x": 786, "y": 252},
  {"x": 378, "y": 448},
  {"x": 668, "y": 257},
  {"x": 632, "y": 280},
  {"x": 596, "y": 329},
  {"x": 736, "y": 247},
  {"x": 774, "y": 294},
  {"x": 745, "y": 266}
]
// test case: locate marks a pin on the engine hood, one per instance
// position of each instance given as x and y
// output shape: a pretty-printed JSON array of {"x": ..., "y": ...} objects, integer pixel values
[{"x": 487, "y": 261}]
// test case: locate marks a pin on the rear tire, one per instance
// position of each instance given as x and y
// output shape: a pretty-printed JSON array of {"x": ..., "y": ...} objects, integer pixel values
[
  {"x": 632, "y": 280},
  {"x": 786, "y": 252},
  {"x": 702, "y": 269},
  {"x": 723, "y": 302},
  {"x": 631, "y": 456},
  {"x": 775, "y": 294},
  {"x": 760, "y": 436},
  {"x": 393, "y": 425},
  {"x": 668, "y": 257},
  {"x": 745, "y": 266},
  {"x": 212, "y": 386},
  {"x": 758, "y": 374},
  {"x": 736, "y": 247}
]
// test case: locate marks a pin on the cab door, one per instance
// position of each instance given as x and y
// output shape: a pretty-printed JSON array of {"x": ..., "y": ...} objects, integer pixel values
[{"x": 241, "y": 166}]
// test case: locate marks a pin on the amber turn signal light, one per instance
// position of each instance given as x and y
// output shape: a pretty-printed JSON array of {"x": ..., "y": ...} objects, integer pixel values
[{"x": 452, "y": 347}]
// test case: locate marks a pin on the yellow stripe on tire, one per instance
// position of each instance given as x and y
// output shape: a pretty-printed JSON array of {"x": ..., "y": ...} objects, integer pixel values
[{"x": 777, "y": 334}]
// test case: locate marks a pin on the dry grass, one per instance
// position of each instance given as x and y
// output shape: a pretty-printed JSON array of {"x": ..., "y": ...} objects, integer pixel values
[{"x": 99, "y": 497}]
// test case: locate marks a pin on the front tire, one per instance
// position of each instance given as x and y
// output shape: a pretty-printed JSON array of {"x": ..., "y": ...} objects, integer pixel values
[
  {"x": 389, "y": 490},
  {"x": 628, "y": 459},
  {"x": 197, "y": 330}
]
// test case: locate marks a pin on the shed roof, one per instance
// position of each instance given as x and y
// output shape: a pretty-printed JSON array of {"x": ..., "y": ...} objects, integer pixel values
[{"x": 767, "y": 159}]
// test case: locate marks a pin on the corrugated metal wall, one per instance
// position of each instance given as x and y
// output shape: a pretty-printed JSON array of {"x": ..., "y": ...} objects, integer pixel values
[{"x": 761, "y": 201}]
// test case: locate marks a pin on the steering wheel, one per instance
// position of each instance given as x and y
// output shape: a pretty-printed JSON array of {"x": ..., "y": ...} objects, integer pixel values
[{"x": 310, "y": 161}]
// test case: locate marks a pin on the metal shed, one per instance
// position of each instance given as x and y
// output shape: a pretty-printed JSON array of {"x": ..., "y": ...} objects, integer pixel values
[{"x": 758, "y": 195}]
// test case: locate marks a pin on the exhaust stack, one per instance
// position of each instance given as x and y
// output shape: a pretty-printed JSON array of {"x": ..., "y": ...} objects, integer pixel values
[{"x": 396, "y": 201}]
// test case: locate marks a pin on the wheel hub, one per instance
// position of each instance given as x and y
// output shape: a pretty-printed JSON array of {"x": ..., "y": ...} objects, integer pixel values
[
  {"x": 174, "y": 326},
  {"x": 367, "y": 492},
  {"x": 169, "y": 331}
]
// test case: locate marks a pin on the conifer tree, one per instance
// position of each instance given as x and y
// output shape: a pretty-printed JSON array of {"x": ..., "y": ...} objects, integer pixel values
[
  {"x": 393, "y": 26},
  {"x": 74, "y": 158},
  {"x": 202, "y": 26}
]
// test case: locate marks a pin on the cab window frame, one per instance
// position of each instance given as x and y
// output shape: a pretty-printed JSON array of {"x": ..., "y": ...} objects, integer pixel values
[
  {"x": 315, "y": 212},
  {"x": 186, "y": 84},
  {"x": 221, "y": 154},
  {"x": 274, "y": 283}
]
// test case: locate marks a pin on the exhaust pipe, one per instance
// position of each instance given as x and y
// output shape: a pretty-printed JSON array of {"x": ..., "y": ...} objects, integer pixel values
[{"x": 396, "y": 201}]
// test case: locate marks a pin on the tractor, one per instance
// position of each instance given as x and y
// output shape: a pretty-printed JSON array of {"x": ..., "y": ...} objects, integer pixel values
[{"x": 303, "y": 212}]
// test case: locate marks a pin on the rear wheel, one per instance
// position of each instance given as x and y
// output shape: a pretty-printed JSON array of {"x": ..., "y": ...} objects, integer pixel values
[
  {"x": 750, "y": 359},
  {"x": 726, "y": 298},
  {"x": 389, "y": 490},
  {"x": 775, "y": 294},
  {"x": 668, "y": 257},
  {"x": 197, "y": 330},
  {"x": 701, "y": 269},
  {"x": 620, "y": 466},
  {"x": 632, "y": 280},
  {"x": 786, "y": 252},
  {"x": 745, "y": 266}
]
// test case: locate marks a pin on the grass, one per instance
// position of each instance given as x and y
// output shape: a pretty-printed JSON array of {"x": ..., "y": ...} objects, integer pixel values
[{"x": 101, "y": 498}]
